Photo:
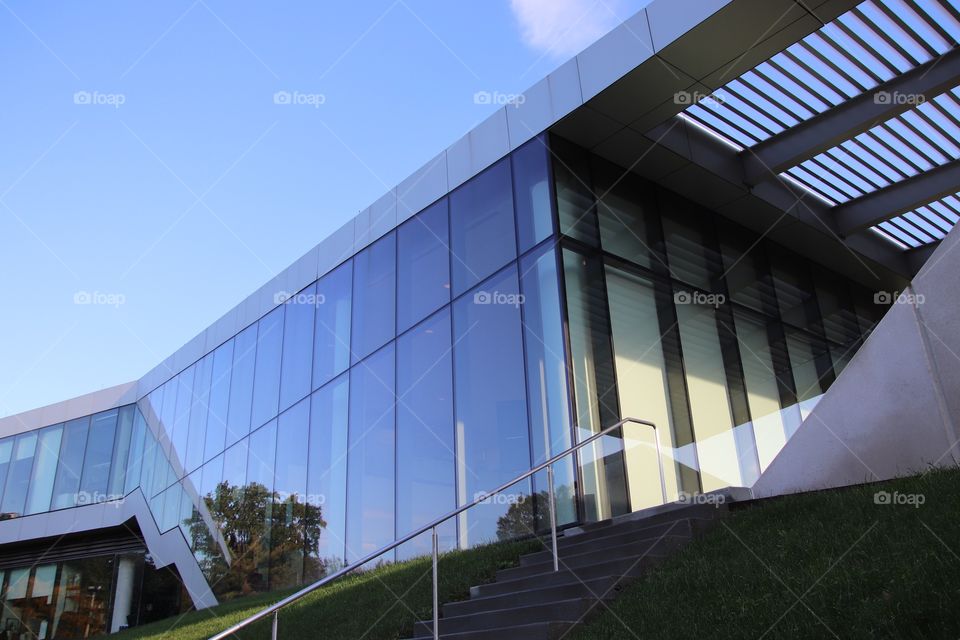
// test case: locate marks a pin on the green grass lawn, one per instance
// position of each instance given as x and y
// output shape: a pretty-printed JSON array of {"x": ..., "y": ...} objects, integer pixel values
[
  {"x": 377, "y": 605},
  {"x": 818, "y": 565}
]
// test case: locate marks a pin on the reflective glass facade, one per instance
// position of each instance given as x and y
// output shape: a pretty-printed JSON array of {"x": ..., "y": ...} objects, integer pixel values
[
  {"x": 535, "y": 304},
  {"x": 722, "y": 338},
  {"x": 76, "y": 598}
]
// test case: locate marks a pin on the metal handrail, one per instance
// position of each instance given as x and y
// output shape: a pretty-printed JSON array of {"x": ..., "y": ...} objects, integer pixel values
[{"x": 275, "y": 608}]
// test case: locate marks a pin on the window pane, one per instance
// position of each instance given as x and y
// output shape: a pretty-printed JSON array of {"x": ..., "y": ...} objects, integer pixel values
[
  {"x": 423, "y": 279},
  {"x": 770, "y": 424},
  {"x": 482, "y": 232},
  {"x": 44, "y": 470},
  {"x": 491, "y": 407},
  {"x": 6, "y": 452},
  {"x": 18, "y": 475},
  {"x": 147, "y": 472},
  {"x": 219, "y": 401},
  {"x": 327, "y": 475},
  {"x": 297, "y": 347},
  {"x": 547, "y": 380},
  {"x": 426, "y": 471},
  {"x": 370, "y": 479},
  {"x": 171, "y": 507},
  {"x": 709, "y": 399},
  {"x": 690, "y": 245},
  {"x": 374, "y": 292},
  {"x": 168, "y": 412},
  {"x": 258, "y": 500},
  {"x": 629, "y": 224},
  {"x": 794, "y": 288},
  {"x": 241, "y": 384},
  {"x": 804, "y": 352},
  {"x": 531, "y": 182},
  {"x": 294, "y": 522},
  {"x": 331, "y": 342},
  {"x": 121, "y": 452},
  {"x": 604, "y": 479},
  {"x": 235, "y": 466},
  {"x": 575, "y": 200},
  {"x": 643, "y": 387},
  {"x": 180, "y": 438},
  {"x": 96, "y": 464},
  {"x": 266, "y": 379},
  {"x": 747, "y": 279},
  {"x": 198, "y": 413},
  {"x": 138, "y": 439},
  {"x": 838, "y": 316}
]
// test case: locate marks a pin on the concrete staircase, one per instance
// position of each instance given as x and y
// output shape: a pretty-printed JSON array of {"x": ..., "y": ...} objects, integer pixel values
[{"x": 533, "y": 602}]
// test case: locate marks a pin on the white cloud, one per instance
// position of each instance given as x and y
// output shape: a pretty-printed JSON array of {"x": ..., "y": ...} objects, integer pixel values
[{"x": 562, "y": 28}]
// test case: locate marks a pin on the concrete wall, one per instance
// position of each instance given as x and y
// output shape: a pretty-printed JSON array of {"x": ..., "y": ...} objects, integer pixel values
[{"x": 895, "y": 409}]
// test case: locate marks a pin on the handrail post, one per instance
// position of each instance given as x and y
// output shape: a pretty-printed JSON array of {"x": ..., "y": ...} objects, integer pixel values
[
  {"x": 663, "y": 479},
  {"x": 276, "y": 623},
  {"x": 436, "y": 590},
  {"x": 553, "y": 519}
]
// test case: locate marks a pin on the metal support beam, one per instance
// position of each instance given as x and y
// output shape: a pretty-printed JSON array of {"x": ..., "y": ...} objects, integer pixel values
[
  {"x": 900, "y": 197},
  {"x": 848, "y": 119}
]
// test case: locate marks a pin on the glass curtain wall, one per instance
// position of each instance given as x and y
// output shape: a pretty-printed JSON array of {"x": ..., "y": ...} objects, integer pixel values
[
  {"x": 723, "y": 339},
  {"x": 419, "y": 374}
]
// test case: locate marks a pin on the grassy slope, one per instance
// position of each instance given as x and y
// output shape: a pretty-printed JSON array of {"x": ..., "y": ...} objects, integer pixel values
[
  {"x": 859, "y": 569},
  {"x": 380, "y": 604}
]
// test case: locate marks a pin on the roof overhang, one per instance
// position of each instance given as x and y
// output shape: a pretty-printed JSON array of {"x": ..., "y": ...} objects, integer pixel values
[{"x": 636, "y": 122}]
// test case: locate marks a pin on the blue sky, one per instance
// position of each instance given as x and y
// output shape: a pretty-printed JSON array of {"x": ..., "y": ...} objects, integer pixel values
[{"x": 146, "y": 164}]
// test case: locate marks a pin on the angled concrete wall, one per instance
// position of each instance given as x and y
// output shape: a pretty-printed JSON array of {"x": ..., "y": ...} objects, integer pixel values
[{"x": 895, "y": 409}]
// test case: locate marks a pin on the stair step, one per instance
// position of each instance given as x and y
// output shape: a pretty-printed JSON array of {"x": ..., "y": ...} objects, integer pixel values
[
  {"x": 572, "y": 610},
  {"x": 628, "y": 567},
  {"x": 536, "y": 631},
  {"x": 605, "y": 587},
  {"x": 534, "y": 602},
  {"x": 632, "y": 549},
  {"x": 605, "y": 544},
  {"x": 628, "y": 531},
  {"x": 696, "y": 511}
]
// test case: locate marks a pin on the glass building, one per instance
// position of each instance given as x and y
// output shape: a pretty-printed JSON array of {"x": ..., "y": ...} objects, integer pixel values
[
  {"x": 452, "y": 354},
  {"x": 439, "y": 351}
]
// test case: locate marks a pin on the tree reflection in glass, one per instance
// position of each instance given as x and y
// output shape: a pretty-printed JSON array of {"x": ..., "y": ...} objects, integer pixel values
[{"x": 289, "y": 538}]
